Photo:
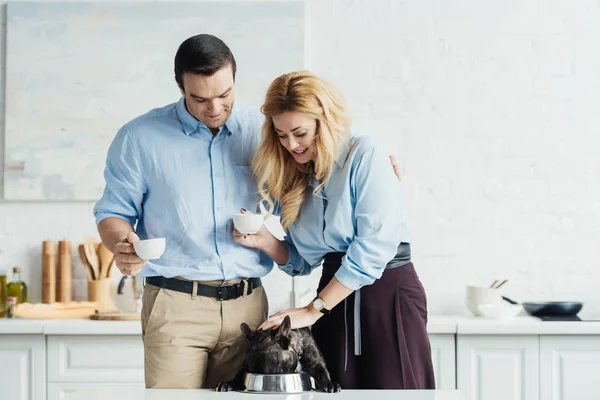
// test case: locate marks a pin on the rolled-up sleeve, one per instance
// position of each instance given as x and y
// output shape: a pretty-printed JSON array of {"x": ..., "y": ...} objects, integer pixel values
[
  {"x": 296, "y": 264},
  {"x": 378, "y": 213},
  {"x": 125, "y": 188}
]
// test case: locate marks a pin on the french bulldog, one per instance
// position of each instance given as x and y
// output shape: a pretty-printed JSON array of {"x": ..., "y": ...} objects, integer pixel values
[{"x": 282, "y": 350}]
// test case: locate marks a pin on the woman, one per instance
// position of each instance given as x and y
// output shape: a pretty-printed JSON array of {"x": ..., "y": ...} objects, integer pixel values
[{"x": 341, "y": 203}]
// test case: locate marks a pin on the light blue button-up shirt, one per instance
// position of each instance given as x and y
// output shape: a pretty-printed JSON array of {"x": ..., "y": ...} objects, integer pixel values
[
  {"x": 170, "y": 174},
  {"x": 361, "y": 212}
]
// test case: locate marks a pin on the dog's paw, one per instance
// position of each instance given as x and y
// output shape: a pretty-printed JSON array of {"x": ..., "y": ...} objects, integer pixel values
[
  {"x": 224, "y": 387},
  {"x": 331, "y": 387}
]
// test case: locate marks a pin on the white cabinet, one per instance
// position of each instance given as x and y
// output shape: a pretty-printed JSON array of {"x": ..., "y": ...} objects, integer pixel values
[
  {"x": 88, "y": 361},
  {"x": 498, "y": 367},
  {"x": 95, "y": 358},
  {"x": 443, "y": 354},
  {"x": 59, "y": 391},
  {"x": 23, "y": 361},
  {"x": 570, "y": 367}
]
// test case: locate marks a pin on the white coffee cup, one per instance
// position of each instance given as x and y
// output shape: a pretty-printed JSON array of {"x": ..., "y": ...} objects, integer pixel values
[
  {"x": 150, "y": 249},
  {"x": 248, "y": 223}
]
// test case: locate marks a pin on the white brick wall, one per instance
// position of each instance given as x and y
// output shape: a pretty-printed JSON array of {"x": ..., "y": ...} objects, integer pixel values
[{"x": 492, "y": 109}]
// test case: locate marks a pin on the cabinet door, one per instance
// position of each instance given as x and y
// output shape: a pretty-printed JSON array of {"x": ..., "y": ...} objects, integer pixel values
[
  {"x": 498, "y": 367},
  {"x": 570, "y": 367},
  {"x": 443, "y": 355},
  {"x": 65, "y": 391},
  {"x": 23, "y": 361},
  {"x": 95, "y": 358}
]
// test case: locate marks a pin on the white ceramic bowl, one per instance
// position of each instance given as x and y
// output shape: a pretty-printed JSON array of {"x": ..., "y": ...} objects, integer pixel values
[
  {"x": 500, "y": 311},
  {"x": 150, "y": 249},
  {"x": 477, "y": 295},
  {"x": 248, "y": 223}
]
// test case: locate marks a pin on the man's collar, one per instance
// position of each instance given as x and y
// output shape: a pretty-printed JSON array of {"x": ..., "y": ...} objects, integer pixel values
[{"x": 191, "y": 124}]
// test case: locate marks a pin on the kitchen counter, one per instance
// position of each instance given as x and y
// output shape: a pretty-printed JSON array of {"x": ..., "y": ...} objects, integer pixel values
[
  {"x": 437, "y": 325},
  {"x": 69, "y": 327},
  {"x": 524, "y": 325},
  {"x": 168, "y": 394}
]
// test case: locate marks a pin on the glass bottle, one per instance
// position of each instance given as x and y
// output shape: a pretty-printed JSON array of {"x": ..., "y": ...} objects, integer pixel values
[
  {"x": 11, "y": 303},
  {"x": 17, "y": 288},
  {"x": 2, "y": 293}
]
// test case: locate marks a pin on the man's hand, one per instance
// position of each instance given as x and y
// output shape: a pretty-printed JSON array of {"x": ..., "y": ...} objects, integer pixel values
[
  {"x": 127, "y": 261},
  {"x": 396, "y": 167}
]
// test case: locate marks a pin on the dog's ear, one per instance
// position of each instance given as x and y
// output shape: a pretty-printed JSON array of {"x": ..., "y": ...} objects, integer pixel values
[
  {"x": 246, "y": 331},
  {"x": 284, "y": 332}
]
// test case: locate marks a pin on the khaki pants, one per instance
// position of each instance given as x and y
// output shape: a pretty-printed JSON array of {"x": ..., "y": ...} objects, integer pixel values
[{"x": 193, "y": 342}]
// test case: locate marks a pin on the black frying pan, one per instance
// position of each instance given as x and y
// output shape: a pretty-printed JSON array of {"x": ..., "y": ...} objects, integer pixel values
[{"x": 550, "y": 308}]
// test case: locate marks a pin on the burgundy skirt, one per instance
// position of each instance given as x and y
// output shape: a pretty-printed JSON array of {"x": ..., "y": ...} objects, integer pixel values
[{"x": 395, "y": 349}]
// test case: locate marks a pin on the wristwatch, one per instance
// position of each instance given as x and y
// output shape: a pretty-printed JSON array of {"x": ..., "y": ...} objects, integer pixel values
[{"x": 319, "y": 304}]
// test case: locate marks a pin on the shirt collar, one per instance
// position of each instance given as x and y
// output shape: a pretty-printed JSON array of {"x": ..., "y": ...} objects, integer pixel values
[
  {"x": 191, "y": 124},
  {"x": 343, "y": 151}
]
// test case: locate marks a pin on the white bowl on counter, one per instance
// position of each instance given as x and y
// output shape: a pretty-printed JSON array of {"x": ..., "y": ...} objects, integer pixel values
[
  {"x": 500, "y": 311},
  {"x": 478, "y": 295}
]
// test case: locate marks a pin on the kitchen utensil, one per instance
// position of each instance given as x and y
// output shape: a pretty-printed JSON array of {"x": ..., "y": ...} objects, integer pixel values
[
  {"x": 129, "y": 296},
  {"x": 150, "y": 249},
  {"x": 99, "y": 291},
  {"x": 103, "y": 316},
  {"x": 493, "y": 284},
  {"x": 550, "y": 308},
  {"x": 48, "y": 272},
  {"x": 92, "y": 257},
  {"x": 72, "y": 309},
  {"x": 106, "y": 259},
  {"x": 500, "y": 311},
  {"x": 86, "y": 265},
  {"x": 501, "y": 284},
  {"x": 477, "y": 295},
  {"x": 278, "y": 383},
  {"x": 65, "y": 272},
  {"x": 556, "y": 308},
  {"x": 110, "y": 268}
]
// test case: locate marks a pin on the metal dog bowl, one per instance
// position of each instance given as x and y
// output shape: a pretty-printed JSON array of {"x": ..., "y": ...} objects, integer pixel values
[{"x": 278, "y": 383}]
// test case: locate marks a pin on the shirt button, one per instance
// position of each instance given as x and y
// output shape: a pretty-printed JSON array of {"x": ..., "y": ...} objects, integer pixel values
[
  {"x": 221, "y": 240},
  {"x": 219, "y": 208}
]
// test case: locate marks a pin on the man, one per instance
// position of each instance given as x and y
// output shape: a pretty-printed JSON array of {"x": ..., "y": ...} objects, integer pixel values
[{"x": 181, "y": 172}]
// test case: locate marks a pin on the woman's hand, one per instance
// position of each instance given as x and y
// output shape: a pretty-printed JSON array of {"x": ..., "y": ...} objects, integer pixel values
[
  {"x": 300, "y": 317},
  {"x": 259, "y": 240}
]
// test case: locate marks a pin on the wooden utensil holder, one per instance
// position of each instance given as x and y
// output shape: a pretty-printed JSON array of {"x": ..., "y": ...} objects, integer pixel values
[{"x": 100, "y": 290}]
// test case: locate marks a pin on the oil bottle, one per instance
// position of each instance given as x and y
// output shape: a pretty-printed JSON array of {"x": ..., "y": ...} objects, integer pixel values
[
  {"x": 2, "y": 293},
  {"x": 17, "y": 287}
]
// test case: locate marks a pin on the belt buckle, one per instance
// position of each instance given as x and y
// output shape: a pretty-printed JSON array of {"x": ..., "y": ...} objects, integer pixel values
[{"x": 220, "y": 292}]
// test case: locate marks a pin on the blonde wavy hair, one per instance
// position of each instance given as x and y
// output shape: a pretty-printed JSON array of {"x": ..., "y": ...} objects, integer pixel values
[{"x": 280, "y": 178}]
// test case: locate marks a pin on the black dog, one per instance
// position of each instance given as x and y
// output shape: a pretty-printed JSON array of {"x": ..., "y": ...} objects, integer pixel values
[{"x": 282, "y": 351}]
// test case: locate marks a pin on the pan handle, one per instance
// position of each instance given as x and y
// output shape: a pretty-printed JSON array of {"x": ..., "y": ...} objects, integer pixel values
[{"x": 509, "y": 300}]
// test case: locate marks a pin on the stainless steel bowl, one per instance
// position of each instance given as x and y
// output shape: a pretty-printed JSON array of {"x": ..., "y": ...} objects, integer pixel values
[{"x": 278, "y": 383}]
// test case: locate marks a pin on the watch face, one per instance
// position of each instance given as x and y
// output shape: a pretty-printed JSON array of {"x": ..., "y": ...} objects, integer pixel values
[{"x": 318, "y": 304}]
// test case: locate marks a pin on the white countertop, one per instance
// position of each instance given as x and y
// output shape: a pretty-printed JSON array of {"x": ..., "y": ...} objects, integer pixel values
[
  {"x": 188, "y": 394},
  {"x": 69, "y": 327},
  {"x": 524, "y": 325},
  {"x": 437, "y": 325}
]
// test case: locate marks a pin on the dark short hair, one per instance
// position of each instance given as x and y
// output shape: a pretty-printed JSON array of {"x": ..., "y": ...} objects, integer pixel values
[{"x": 202, "y": 54}]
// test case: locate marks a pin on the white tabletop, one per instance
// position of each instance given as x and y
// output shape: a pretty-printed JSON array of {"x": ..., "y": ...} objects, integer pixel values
[{"x": 182, "y": 394}]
